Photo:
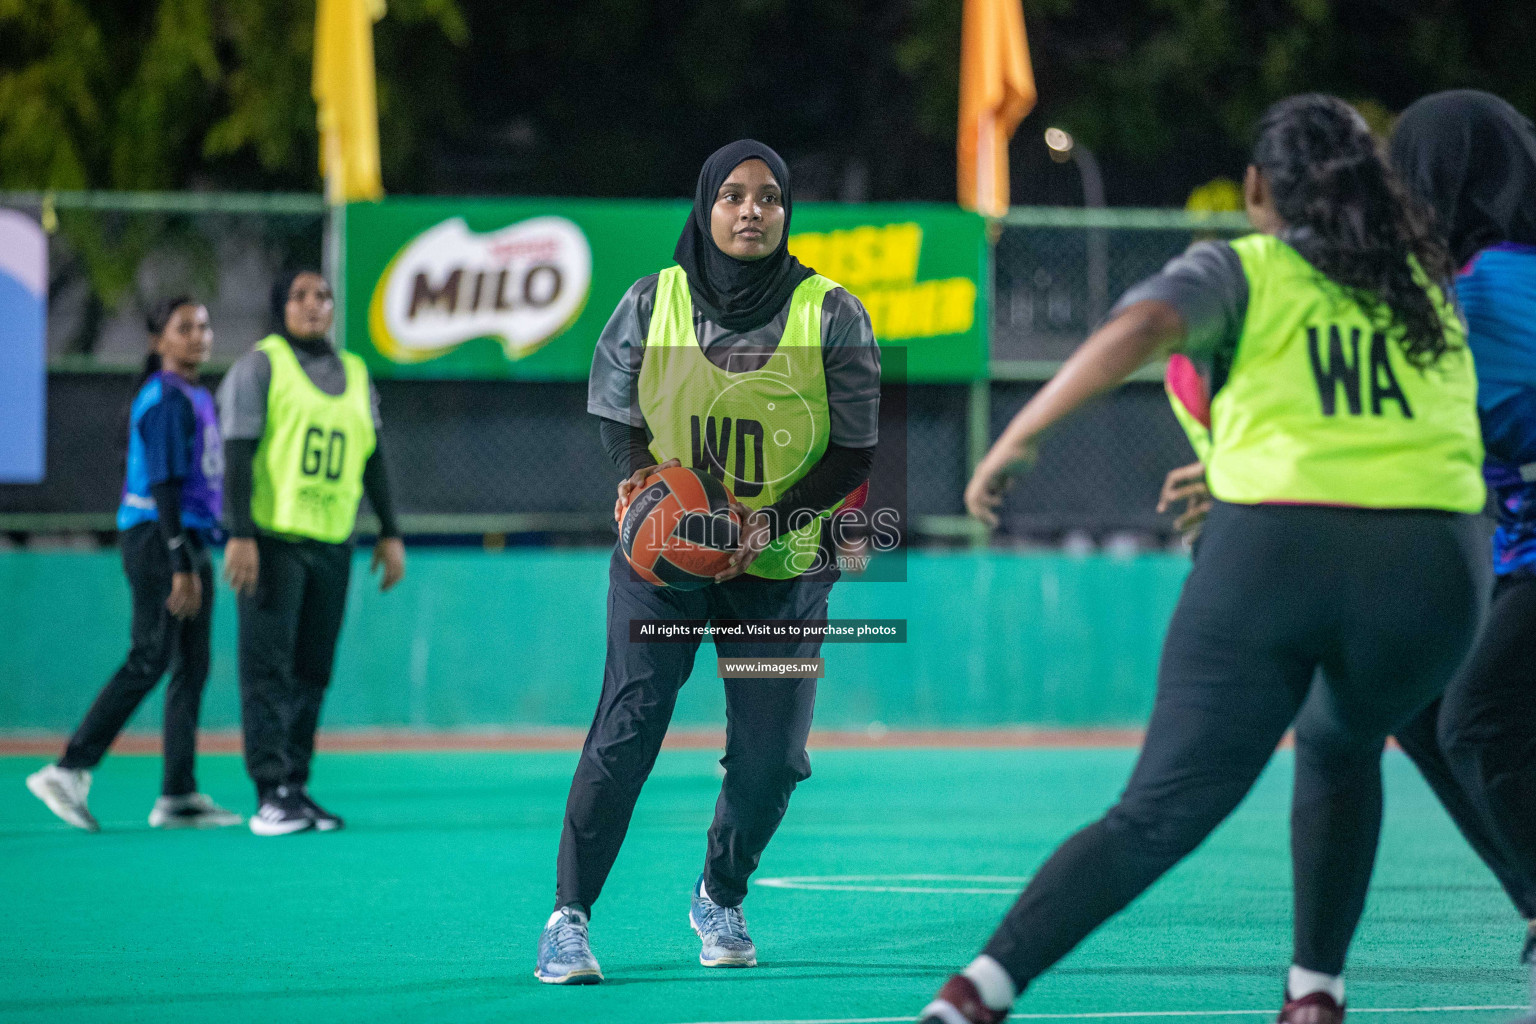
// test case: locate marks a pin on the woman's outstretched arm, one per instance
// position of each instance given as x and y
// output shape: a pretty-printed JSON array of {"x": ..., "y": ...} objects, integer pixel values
[{"x": 1140, "y": 333}]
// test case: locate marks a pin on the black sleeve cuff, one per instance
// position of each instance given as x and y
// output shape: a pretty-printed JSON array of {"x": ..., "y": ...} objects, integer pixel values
[
  {"x": 239, "y": 463},
  {"x": 838, "y": 474},
  {"x": 628, "y": 447},
  {"x": 167, "y": 495},
  {"x": 376, "y": 486}
]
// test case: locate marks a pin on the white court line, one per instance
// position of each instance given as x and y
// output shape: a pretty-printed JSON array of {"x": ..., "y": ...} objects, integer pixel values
[
  {"x": 1113, "y": 1015},
  {"x": 879, "y": 883}
]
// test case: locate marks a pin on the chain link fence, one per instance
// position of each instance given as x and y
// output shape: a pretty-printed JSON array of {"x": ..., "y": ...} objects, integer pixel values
[
  {"x": 1055, "y": 275},
  {"x": 1056, "y": 272},
  {"x": 479, "y": 457},
  {"x": 112, "y": 255}
]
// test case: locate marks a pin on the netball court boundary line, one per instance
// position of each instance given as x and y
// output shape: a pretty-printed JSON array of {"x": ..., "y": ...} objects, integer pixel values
[{"x": 1120, "y": 1015}]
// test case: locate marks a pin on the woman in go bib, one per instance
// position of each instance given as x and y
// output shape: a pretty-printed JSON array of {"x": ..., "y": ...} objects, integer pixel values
[
  {"x": 168, "y": 519},
  {"x": 301, "y": 427},
  {"x": 700, "y": 349},
  {"x": 1345, "y": 466}
]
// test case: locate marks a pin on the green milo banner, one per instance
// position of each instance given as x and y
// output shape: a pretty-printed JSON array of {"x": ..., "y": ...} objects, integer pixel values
[{"x": 521, "y": 288}]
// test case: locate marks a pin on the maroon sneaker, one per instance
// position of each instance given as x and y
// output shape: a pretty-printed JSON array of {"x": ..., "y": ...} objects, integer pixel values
[
  {"x": 958, "y": 1002},
  {"x": 1317, "y": 1008}
]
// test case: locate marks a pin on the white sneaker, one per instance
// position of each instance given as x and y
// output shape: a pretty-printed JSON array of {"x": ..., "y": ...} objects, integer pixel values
[
  {"x": 64, "y": 791},
  {"x": 281, "y": 813},
  {"x": 195, "y": 810}
]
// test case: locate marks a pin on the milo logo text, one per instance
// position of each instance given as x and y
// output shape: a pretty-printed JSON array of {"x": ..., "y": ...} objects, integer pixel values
[{"x": 521, "y": 285}]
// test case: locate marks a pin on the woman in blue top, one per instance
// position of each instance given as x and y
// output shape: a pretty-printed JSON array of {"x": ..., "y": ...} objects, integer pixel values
[
  {"x": 168, "y": 518},
  {"x": 1472, "y": 157}
]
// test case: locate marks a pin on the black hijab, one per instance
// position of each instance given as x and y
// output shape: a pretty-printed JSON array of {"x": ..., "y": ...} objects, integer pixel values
[
  {"x": 281, "y": 288},
  {"x": 739, "y": 295},
  {"x": 1472, "y": 157}
]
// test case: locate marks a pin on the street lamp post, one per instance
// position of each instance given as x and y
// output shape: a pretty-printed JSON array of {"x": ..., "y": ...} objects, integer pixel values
[{"x": 1064, "y": 148}]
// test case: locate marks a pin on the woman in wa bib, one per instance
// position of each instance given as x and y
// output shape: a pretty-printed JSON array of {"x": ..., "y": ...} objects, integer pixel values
[{"x": 1342, "y": 547}]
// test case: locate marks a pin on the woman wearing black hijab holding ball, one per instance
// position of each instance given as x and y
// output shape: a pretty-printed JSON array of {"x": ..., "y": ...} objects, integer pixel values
[{"x": 686, "y": 372}]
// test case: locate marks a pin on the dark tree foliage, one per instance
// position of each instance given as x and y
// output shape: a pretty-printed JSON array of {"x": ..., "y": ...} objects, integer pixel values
[
  {"x": 168, "y": 94},
  {"x": 626, "y": 97}
]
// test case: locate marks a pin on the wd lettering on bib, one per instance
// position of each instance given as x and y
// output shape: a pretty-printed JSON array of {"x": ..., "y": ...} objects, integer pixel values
[
  {"x": 711, "y": 453},
  {"x": 1343, "y": 369}
]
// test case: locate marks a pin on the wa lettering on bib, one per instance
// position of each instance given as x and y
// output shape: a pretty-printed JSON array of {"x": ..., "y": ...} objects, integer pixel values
[{"x": 1321, "y": 406}]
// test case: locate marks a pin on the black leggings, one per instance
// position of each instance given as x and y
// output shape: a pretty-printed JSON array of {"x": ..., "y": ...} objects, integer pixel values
[
  {"x": 288, "y": 633},
  {"x": 1385, "y": 603},
  {"x": 1486, "y": 726},
  {"x": 160, "y": 641},
  {"x": 766, "y": 725},
  {"x": 1467, "y": 803}
]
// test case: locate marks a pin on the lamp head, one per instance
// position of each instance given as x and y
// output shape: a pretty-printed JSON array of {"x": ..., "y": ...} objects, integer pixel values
[{"x": 1059, "y": 143}]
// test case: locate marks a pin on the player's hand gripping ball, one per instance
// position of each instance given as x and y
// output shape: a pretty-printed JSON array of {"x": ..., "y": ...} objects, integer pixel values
[{"x": 678, "y": 529}]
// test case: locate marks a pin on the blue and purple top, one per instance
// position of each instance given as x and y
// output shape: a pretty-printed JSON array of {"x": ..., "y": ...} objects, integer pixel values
[
  {"x": 173, "y": 434},
  {"x": 1497, "y": 293}
]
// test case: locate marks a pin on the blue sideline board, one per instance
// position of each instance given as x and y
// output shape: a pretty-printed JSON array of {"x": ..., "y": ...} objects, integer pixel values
[
  {"x": 23, "y": 347},
  {"x": 515, "y": 640}
]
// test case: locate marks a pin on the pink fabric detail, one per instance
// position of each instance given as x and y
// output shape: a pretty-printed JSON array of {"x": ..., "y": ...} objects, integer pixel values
[
  {"x": 1188, "y": 388},
  {"x": 854, "y": 500}
]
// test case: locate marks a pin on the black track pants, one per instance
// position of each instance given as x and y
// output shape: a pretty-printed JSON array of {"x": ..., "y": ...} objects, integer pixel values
[
  {"x": 1420, "y": 740},
  {"x": 767, "y": 722},
  {"x": 159, "y": 641},
  {"x": 1487, "y": 727},
  {"x": 1384, "y": 603},
  {"x": 288, "y": 632}
]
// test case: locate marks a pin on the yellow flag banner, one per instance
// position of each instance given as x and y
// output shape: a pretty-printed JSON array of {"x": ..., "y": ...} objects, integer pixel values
[
  {"x": 344, "y": 95},
  {"x": 997, "y": 90}
]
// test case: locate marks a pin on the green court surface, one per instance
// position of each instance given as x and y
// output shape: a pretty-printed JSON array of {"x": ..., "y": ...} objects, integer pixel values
[{"x": 428, "y": 907}]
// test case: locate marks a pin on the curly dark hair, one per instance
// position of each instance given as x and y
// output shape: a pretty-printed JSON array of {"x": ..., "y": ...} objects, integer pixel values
[{"x": 1352, "y": 219}]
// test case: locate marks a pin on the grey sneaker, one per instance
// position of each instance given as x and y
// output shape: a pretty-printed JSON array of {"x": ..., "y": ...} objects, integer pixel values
[
  {"x": 195, "y": 810},
  {"x": 723, "y": 929},
  {"x": 64, "y": 791},
  {"x": 564, "y": 956}
]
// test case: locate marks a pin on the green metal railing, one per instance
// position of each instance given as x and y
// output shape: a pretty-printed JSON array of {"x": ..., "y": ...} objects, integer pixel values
[
  {"x": 978, "y": 407},
  {"x": 245, "y": 203},
  {"x": 313, "y": 204},
  {"x": 1123, "y": 218},
  {"x": 1128, "y": 218}
]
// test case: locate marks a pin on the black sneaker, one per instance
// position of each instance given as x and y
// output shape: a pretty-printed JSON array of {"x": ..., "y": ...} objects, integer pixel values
[
  {"x": 324, "y": 820},
  {"x": 281, "y": 813}
]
